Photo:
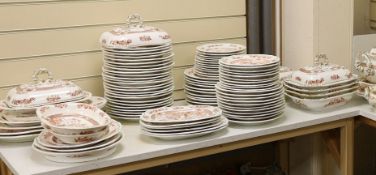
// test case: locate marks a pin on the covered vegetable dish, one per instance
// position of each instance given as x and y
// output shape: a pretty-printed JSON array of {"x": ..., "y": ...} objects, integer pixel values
[
  {"x": 135, "y": 34},
  {"x": 321, "y": 86},
  {"x": 42, "y": 92}
]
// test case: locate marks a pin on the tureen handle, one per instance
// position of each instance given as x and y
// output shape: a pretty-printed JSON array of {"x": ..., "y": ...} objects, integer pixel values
[
  {"x": 39, "y": 72},
  {"x": 321, "y": 59},
  {"x": 135, "y": 20}
]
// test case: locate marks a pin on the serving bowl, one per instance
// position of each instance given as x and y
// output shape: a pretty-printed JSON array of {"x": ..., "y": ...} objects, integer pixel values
[
  {"x": 81, "y": 138},
  {"x": 73, "y": 118}
]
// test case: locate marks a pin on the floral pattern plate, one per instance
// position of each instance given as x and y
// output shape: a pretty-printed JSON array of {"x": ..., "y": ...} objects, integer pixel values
[
  {"x": 180, "y": 114},
  {"x": 249, "y": 60}
]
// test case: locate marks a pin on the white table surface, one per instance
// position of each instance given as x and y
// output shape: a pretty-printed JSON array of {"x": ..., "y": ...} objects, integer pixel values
[{"x": 21, "y": 159}]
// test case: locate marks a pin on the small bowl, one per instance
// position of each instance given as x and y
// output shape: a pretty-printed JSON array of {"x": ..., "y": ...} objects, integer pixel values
[
  {"x": 81, "y": 138},
  {"x": 73, "y": 118}
]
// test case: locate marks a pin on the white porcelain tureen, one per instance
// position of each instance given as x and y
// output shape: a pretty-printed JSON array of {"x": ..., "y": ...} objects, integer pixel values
[
  {"x": 43, "y": 91},
  {"x": 135, "y": 34},
  {"x": 366, "y": 65},
  {"x": 321, "y": 74}
]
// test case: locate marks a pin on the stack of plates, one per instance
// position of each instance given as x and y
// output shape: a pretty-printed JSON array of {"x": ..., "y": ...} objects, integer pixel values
[
  {"x": 200, "y": 81},
  {"x": 18, "y": 125},
  {"x": 138, "y": 60},
  {"x": 249, "y": 90},
  {"x": 137, "y": 79},
  {"x": 179, "y": 122},
  {"x": 76, "y": 133}
]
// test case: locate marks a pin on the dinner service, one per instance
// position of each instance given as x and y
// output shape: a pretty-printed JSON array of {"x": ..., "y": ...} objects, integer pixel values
[
  {"x": 321, "y": 86},
  {"x": 180, "y": 122},
  {"x": 136, "y": 73},
  {"x": 249, "y": 90}
]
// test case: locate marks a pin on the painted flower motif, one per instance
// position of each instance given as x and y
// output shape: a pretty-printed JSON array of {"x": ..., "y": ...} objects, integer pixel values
[
  {"x": 43, "y": 109},
  {"x": 315, "y": 82},
  {"x": 75, "y": 93},
  {"x": 145, "y": 38},
  {"x": 83, "y": 139},
  {"x": 23, "y": 101},
  {"x": 53, "y": 98},
  {"x": 61, "y": 106},
  {"x": 165, "y": 36},
  {"x": 86, "y": 106},
  {"x": 121, "y": 42},
  {"x": 335, "y": 101},
  {"x": 334, "y": 77}
]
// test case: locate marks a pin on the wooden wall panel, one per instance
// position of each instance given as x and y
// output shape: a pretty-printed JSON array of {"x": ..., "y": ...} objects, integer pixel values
[
  {"x": 83, "y": 13},
  {"x": 62, "y": 41}
]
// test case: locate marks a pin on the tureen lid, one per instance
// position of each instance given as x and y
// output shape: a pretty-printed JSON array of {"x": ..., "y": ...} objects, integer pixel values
[
  {"x": 321, "y": 74},
  {"x": 134, "y": 34},
  {"x": 43, "y": 91}
]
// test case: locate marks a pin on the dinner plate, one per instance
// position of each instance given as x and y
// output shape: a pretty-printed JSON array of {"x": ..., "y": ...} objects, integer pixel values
[
  {"x": 183, "y": 130},
  {"x": 185, "y": 135},
  {"x": 180, "y": 114},
  {"x": 76, "y": 157},
  {"x": 21, "y": 132},
  {"x": 164, "y": 126},
  {"x": 19, "y": 138},
  {"x": 101, "y": 144}
]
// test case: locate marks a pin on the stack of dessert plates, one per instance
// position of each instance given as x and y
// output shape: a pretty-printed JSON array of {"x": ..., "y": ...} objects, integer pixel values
[
  {"x": 76, "y": 132},
  {"x": 18, "y": 125},
  {"x": 179, "y": 122},
  {"x": 199, "y": 90},
  {"x": 249, "y": 89},
  {"x": 200, "y": 81},
  {"x": 137, "y": 68}
]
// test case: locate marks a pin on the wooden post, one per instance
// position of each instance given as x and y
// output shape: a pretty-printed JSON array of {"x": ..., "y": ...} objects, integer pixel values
[{"x": 347, "y": 147}]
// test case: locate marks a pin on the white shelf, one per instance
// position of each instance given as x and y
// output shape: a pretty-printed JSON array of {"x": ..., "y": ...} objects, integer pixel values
[{"x": 21, "y": 159}]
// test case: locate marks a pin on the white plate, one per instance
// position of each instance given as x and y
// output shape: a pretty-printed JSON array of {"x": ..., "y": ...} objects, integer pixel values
[
  {"x": 48, "y": 140},
  {"x": 182, "y": 130},
  {"x": 256, "y": 122},
  {"x": 249, "y": 60},
  {"x": 14, "y": 119},
  {"x": 262, "y": 108},
  {"x": 188, "y": 134},
  {"x": 179, "y": 125},
  {"x": 323, "y": 95},
  {"x": 18, "y": 139},
  {"x": 248, "y": 91},
  {"x": 326, "y": 86},
  {"x": 23, "y": 132},
  {"x": 76, "y": 157},
  {"x": 180, "y": 114},
  {"x": 101, "y": 144},
  {"x": 5, "y": 128},
  {"x": 320, "y": 91},
  {"x": 220, "y": 48}
]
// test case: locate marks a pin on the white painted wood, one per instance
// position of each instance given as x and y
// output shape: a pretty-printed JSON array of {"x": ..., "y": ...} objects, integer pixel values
[{"x": 138, "y": 147}]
